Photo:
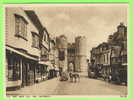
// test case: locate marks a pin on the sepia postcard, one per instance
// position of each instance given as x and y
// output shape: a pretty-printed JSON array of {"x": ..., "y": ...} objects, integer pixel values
[{"x": 66, "y": 50}]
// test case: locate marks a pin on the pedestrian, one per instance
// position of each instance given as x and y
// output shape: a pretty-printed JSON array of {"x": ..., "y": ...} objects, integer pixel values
[
  {"x": 56, "y": 71},
  {"x": 71, "y": 69},
  {"x": 60, "y": 71}
]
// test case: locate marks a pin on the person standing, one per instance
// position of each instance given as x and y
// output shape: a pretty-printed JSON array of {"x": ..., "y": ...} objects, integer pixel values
[
  {"x": 71, "y": 69},
  {"x": 60, "y": 71}
]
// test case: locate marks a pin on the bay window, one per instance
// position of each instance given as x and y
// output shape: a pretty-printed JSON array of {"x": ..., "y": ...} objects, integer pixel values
[{"x": 20, "y": 27}]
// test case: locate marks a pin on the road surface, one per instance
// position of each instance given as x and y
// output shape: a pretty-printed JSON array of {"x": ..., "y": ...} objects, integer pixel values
[{"x": 86, "y": 87}]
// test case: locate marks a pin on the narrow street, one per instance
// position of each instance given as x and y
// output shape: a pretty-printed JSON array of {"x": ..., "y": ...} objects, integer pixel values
[
  {"x": 86, "y": 86},
  {"x": 42, "y": 42}
]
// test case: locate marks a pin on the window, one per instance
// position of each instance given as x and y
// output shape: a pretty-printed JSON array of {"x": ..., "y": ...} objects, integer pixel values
[
  {"x": 20, "y": 27},
  {"x": 44, "y": 57},
  {"x": 35, "y": 40},
  {"x": 43, "y": 51},
  {"x": 44, "y": 54},
  {"x": 61, "y": 55},
  {"x": 44, "y": 37},
  {"x": 13, "y": 69},
  {"x": 104, "y": 58},
  {"x": 107, "y": 58}
]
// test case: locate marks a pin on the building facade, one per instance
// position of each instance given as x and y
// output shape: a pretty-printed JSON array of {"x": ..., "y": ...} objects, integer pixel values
[
  {"x": 43, "y": 46},
  {"x": 22, "y": 51},
  {"x": 112, "y": 55},
  {"x": 44, "y": 54},
  {"x": 24, "y": 43}
]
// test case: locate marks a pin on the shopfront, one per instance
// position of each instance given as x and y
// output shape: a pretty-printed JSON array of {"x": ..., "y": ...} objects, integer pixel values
[
  {"x": 13, "y": 69},
  {"x": 41, "y": 73},
  {"x": 20, "y": 69}
]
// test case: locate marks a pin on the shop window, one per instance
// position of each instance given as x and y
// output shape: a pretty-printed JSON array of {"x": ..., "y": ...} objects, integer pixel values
[
  {"x": 13, "y": 70},
  {"x": 20, "y": 27}
]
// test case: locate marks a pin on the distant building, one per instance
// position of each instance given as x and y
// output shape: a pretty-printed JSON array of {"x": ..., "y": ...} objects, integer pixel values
[
  {"x": 61, "y": 44},
  {"x": 80, "y": 60},
  {"x": 119, "y": 43},
  {"x": 116, "y": 46},
  {"x": 76, "y": 53},
  {"x": 71, "y": 55},
  {"x": 52, "y": 50},
  {"x": 112, "y": 55}
]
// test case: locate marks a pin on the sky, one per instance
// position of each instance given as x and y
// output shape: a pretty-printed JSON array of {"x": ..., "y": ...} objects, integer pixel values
[{"x": 94, "y": 21}]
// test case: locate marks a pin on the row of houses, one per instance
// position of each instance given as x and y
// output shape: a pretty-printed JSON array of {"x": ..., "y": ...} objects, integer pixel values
[
  {"x": 29, "y": 48},
  {"x": 111, "y": 57}
]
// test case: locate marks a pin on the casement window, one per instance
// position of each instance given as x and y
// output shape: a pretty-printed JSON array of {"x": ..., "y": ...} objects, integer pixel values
[
  {"x": 20, "y": 27},
  {"x": 35, "y": 40}
]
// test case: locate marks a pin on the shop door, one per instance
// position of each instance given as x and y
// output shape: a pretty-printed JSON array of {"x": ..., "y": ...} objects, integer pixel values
[{"x": 24, "y": 73}]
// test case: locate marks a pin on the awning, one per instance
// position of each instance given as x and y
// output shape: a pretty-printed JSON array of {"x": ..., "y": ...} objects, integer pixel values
[
  {"x": 20, "y": 53},
  {"x": 105, "y": 64},
  {"x": 56, "y": 68},
  {"x": 50, "y": 67},
  {"x": 48, "y": 63},
  {"x": 124, "y": 64}
]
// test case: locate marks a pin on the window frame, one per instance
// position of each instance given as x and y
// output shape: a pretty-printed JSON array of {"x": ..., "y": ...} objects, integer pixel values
[
  {"x": 35, "y": 40},
  {"x": 21, "y": 28}
]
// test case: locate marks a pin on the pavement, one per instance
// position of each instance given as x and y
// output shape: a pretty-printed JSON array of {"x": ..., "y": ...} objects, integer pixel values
[{"x": 85, "y": 87}]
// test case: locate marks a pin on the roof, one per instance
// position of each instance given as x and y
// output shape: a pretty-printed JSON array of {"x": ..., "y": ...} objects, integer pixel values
[
  {"x": 19, "y": 16},
  {"x": 121, "y": 25},
  {"x": 102, "y": 45},
  {"x": 35, "y": 20}
]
